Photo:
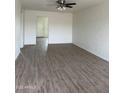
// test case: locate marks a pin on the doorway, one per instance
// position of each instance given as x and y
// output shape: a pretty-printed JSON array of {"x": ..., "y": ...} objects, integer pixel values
[{"x": 42, "y": 32}]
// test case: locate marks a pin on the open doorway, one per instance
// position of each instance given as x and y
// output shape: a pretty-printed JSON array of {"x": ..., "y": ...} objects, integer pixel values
[{"x": 42, "y": 32}]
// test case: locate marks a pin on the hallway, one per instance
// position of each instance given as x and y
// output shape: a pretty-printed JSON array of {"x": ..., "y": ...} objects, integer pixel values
[{"x": 60, "y": 68}]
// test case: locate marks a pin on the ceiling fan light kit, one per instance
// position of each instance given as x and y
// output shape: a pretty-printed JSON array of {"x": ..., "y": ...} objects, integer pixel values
[
  {"x": 62, "y": 5},
  {"x": 61, "y": 8}
]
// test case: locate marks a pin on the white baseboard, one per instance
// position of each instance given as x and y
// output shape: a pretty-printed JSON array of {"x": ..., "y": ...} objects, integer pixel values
[
  {"x": 106, "y": 59},
  {"x": 17, "y": 54}
]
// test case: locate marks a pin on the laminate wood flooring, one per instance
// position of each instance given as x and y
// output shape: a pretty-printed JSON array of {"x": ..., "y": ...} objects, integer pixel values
[{"x": 60, "y": 68}]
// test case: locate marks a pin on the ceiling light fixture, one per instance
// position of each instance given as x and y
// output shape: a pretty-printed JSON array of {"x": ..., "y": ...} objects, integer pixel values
[
  {"x": 61, "y": 8},
  {"x": 62, "y": 5}
]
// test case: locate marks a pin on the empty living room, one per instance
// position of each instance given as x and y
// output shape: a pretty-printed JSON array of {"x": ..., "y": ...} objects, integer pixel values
[{"x": 62, "y": 46}]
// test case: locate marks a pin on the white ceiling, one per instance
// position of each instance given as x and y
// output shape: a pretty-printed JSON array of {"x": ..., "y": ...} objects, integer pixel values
[{"x": 50, "y": 5}]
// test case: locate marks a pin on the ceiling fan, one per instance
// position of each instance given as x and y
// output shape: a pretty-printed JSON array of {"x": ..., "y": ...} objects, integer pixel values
[{"x": 62, "y": 5}]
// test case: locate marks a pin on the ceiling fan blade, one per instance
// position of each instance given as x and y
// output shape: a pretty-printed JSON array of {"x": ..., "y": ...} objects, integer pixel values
[
  {"x": 70, "y": 4},
  {"x": 60, "y": 1}
]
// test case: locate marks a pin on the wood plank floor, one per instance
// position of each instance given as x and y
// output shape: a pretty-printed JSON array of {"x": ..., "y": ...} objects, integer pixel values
[{"x": 60, "y": 68}]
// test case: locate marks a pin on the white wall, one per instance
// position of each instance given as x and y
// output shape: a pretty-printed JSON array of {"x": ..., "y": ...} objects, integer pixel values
[
  {"x": 91, "y": 30},
  {"x": 18, "y": 28},
  {"x": 22, "y": 28},
  {"x": 29, "y": 29},
  {"x": 60, "y": 26}
]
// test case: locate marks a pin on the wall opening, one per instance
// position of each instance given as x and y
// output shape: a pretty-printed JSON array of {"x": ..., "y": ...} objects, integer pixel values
[
  {"x": 42, "y": 27},
  {"x": 42, "y": 32}
]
